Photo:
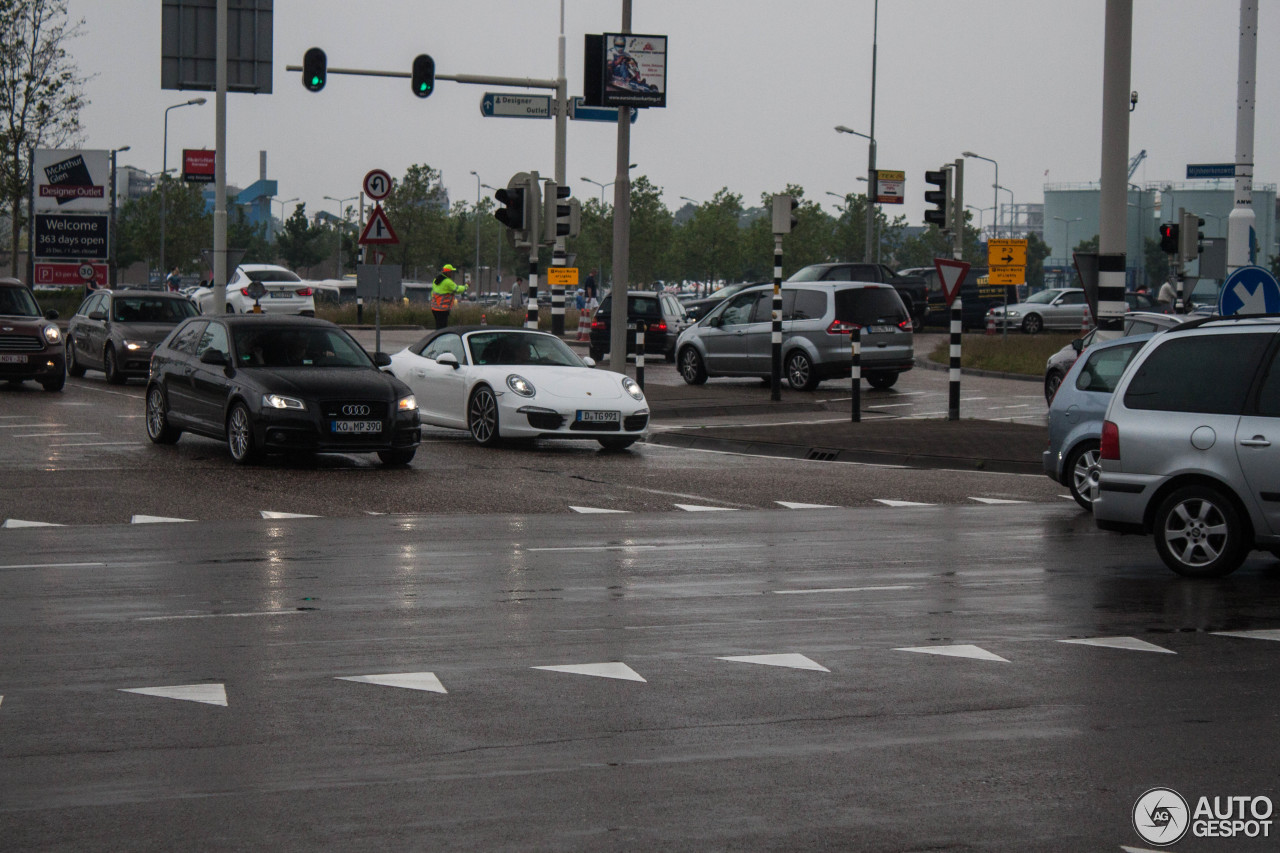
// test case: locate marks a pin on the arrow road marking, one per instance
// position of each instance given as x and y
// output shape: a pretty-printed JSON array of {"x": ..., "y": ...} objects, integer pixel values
[
  {"x": 959, "y": 651},
  {"x": 792, "y": 661},
  {"x": 893, "y": 503},
  {"x": 208, "y": 694},
  {"x": 600, "y": 670},
  {"x": 426, "y": 681},
  {"x": 1132, "y": 644}
]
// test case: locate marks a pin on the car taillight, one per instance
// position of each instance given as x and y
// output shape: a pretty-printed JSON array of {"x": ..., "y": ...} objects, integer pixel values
[
  {"x": 656, "y": 327},
  {"x": 1110, "y": 441},
  {"x": 840, "y": 327},
  {"x": 244, "y": 291},
  {"x": 906, "y": 325},
  {"x": 597, "y": 323},
  {"x": 303, "y": 291}
]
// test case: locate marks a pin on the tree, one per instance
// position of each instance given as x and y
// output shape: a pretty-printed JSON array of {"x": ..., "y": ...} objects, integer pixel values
[
  {"x": 300, "y": 243},
  {"x": 809, "y": 242},
  {"x": 188, "y": 227},
  {"x": 40, "y": 96},
  {"x": 1037, "y": 251},
  {"x": 418, "y": 208},
  {"x": 651, "y": 233},
  {"x": 243, "y": 234},
  {"x": 709, "y": 244}
]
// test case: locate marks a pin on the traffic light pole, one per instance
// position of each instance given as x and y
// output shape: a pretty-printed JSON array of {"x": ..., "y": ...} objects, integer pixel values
[
  {"x": 775, "y": 373},
  {"x": 531, "y": 309},
  {"x": 561, "y": 106}
]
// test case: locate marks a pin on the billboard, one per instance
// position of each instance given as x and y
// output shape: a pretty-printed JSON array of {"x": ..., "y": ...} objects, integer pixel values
[
  {"x": 198, "y": 165},
  {"x": 635, "y": 70},
  {"x": 71, "y": 181},
  {"x": 71, "y": 236}
]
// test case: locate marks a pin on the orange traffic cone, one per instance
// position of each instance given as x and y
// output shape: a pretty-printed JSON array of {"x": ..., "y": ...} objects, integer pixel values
[
  {"x": 584, "y": 325},
  {"x": 991, "y": 323},
  {"x": 1086, "y": 322}
]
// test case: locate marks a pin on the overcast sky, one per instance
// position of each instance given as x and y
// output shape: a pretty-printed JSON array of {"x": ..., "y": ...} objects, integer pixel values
[{"x": 754, "y": 90}]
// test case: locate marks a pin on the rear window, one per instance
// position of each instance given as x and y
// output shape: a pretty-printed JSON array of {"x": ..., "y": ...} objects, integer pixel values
[
  {"x": 804, "y": 305},
  {"x": 1102, "y": 371},
  {"x": 271, "y": 275},
  {"x": 641, "y": 307},
  {"x": 869, "y": 305},
  {"x": 1209, "y": 374}
]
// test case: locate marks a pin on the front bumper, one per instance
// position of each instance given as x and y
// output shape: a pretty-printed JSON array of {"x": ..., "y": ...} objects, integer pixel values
[
  {"x": 537, "y": 421},
  {"x": 39, "y": 366},
  {"x": 309, "y": 431}
]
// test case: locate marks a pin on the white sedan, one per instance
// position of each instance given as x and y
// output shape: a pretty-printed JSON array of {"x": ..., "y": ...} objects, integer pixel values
[
  {"x": 517, "y": 383},
  {"x": 282, "y": 292}
]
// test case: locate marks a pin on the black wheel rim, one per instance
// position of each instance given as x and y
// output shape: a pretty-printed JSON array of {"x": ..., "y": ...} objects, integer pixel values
[
  {"x": 155, "y": 413},
  {"x": 484, "y": 416}
]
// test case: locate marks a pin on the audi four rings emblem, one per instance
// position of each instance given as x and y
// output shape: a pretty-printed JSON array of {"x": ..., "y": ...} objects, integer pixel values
[{"x": 355, "y": 410}]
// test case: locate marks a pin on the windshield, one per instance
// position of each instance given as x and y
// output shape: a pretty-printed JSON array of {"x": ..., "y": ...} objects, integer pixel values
[
  {"x": 151, "y": 309},
  {"x": 297, "y": 347},
  {"x": 18, "y": 302},
  {"x": 811, "y": 273},
  {"x": 521, "y": 348},
  {"x": 1043, "y": 296}
]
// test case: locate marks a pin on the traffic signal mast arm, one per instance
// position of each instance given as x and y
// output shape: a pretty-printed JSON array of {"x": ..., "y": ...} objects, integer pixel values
[{"x": 481, "y": 79}]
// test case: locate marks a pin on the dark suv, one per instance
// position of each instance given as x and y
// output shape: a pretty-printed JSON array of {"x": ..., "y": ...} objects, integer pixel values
[
  {"x": 662, "y": 314},
  {"x": 30, "y": 344}
]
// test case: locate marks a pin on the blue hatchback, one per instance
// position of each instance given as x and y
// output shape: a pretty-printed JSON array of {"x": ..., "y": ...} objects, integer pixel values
[{"x": 1077, "y": 412}]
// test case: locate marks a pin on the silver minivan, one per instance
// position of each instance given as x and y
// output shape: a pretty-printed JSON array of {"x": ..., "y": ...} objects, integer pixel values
[
  {"x": 735, "y": 339},
  {"x": 1190, "y": 448}
]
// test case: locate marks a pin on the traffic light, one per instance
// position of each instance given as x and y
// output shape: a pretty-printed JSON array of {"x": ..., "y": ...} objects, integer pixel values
[
  {"x": 1190, "y": 237},
  {"x": 938, "y": 198},
  {"x": 511, "y": 214},
  {"x": 424, "y": 75},
  {"x": 315, "y": 67},
  {"x": 520, "y": 201},
  {"x": 1169, "y": 238},
  {"x": 555, "y": 216},
  {"x": 784, "y": 214}
]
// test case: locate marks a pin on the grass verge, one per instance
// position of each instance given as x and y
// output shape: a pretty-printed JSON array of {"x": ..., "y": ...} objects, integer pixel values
[{"x": 1018, "y": 353}]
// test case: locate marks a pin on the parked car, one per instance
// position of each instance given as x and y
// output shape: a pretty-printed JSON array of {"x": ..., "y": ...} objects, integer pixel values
[
  {"x": 1053, "y": 308},
  {"x": 1135, "y": 323},
  {"x": 977, "y": 295},
  {"x": 662, "y": 314},
  {"x": 115, "y": 331},
  {"x": 695, "y": 308},
  {"x": 817, "y": 319},
  {"x": 282, "y": 292},
  {"x": 518, "y": 383},
  {"x": 30, "y": 342},
  {"x": 1190, "y": 448},
  {"x": 278, "y": 384},
  {"x": 912, "y": 289},
  {"x": 1076, "y": 413}
]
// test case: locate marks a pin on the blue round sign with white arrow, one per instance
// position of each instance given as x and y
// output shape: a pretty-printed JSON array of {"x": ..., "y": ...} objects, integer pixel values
[{"x": 1249, "y": 290}]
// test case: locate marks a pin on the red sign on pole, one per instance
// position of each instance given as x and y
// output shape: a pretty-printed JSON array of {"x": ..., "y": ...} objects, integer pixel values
[
  {"x": 950, "y": 274},
  {"x": 198, "y": 165},
  {"x": 69, "y": 274},
  {"x": 378, "y": 231}
]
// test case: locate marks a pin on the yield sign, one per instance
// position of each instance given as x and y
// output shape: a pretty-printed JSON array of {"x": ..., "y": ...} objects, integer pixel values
[
  {"x": 950, "y": 273},
  {"x": 378, "y": 230}
]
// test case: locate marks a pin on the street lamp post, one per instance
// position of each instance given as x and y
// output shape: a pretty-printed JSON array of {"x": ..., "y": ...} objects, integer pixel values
[
  {"x": 982, "y": 215},
  {"x": 603, "y": 267},
  {"x": 342, "y": 225},
  {"x": 995, "y": 193},
  {"x": 1067, "y": 234},
  {"x": 1010, "y": 219},
  {"x": 112, "y": 274},
  {"x": 477, "y": 267},
  {"x": 164, "y": 170},
  {"x": 282, "y": 202},
  {"x": 871, "y": 175},
  {"x": 499, "y": 276}
]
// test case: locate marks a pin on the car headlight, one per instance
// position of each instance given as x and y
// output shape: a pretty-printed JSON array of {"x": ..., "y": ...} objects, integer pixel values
[
  {"x": 52, "y": 334},
  {"x": 629, "y": 385},
  {"x": 134, "y": 346},
  {"x": 521, "y": 386},
  {"x": 1013, "y": 314},
  {"x": 407, "y": 404},
  {"x": 279, "y": 401}
]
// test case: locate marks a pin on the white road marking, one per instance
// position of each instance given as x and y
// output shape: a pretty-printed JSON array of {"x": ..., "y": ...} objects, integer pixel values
[
  {"x": 100, "y": 444},
  {"x": 17, "y": 522},
  {"x": 1132, "y": 644},
  {"x": 893, "y": 503},
  {"x": 407, "y": 680},
  {"x": 88, "y": 387},
  {"x": 844, "y": 589},
  {"x": 699, "y": 508},
  {"x": 1018, "y": 406},
  {"x": 53, "y": 434},
  {"x": 600, "y": 670},
  {"x": 889, "y": 405},
  {"x": 793, "y": 505},
  {"x": 130, "y": 416},
  {"x": 266, "y": 513},
  {"x": 208, "y": 694},
  {"x": 592, "y": 510},
  {"x": 600, "y": 548},
  {"x": 791, "y": 661},
  {"x": 28, "y": 426},
  {"x": 995, "y": 501},
  {"x": 52, "y": 565},
  {"x": 1261, "y": 634},
  {"x": 219, "y": 615},
  {"x": 957, "y": 651},
  {"x": 156, "y": 519}
]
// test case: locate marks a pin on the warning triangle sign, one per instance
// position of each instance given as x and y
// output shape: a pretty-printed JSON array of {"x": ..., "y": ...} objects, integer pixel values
[
  {"x": 950, "y": 273},
  {"x": 378, "y": 231}
]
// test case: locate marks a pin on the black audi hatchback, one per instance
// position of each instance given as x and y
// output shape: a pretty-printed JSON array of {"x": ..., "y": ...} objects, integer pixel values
[{"x": 269, "y": 383}]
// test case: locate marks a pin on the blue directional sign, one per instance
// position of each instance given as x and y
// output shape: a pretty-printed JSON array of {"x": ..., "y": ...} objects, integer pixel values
[
  {"x": 1211, "y": 170},
  {"x": 1249, "y": 290},
  {"x": 580, "y": 111},
  {"x": 503, "y": 105}
]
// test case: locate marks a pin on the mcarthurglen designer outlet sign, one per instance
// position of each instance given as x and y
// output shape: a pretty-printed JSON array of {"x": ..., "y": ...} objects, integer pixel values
[{"x": 72, "y": 181}]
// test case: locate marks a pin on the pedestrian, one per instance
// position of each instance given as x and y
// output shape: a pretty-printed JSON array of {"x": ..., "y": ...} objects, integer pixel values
[
  {"x": 589, "y": 287},
  {"x": 517, "y": 294},
  {"x": 1167, "y": 295},
  {"x": 173, "y": 280},
  {"x": 444, "y": 291},
  {"x": 580, "y": 299}
]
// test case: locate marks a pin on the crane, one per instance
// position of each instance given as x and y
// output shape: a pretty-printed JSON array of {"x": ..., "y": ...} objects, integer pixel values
[{"x": 1135, "y": 160}]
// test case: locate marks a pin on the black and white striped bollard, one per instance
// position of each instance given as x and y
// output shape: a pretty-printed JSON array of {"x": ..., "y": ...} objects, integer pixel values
[
  {"x": 855, "y": 343},
  {"x": 640, "y": 355},
  {"x": 957, "y": 325}
]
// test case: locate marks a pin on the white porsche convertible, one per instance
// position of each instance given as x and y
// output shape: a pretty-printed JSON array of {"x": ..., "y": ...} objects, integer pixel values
[{"x": 515, "y": 383}]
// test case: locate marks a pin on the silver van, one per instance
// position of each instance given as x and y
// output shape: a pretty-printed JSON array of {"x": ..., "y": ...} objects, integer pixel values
[
  {"x": 735, "y": 339},
  {"x": 1190, "y": 448}
]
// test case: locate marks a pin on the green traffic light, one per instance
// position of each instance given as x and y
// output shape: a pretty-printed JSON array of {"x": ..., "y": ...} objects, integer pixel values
[{"x": 315, "y": 81}]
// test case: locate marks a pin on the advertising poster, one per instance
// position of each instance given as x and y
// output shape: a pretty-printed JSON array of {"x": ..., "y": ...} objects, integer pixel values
[
  {"x": 198, "y": 165},
  {"x": 635, "y": 70},
  {"x": 70, "y": 181}
]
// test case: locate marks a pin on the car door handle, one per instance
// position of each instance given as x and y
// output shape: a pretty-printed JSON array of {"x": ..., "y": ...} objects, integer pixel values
[{"x": 1256, "y": 441}]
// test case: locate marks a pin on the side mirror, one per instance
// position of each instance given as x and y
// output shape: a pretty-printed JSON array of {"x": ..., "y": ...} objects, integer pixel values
[
  {"x": 716, "y": 321},
  {"x": 214, "y": 356},
  {"x": 96, "y": 315},
  {"x": 449, "y": 359},
  {"x": 51, "y": 314},
  {"x": 588, "y": 361},
  {"x": 1078, "y": 345},
  {"x": 381, "y": 359}
]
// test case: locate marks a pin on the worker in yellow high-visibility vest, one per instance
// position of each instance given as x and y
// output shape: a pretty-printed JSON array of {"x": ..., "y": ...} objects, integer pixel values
[{"x": 444, "y": 291}]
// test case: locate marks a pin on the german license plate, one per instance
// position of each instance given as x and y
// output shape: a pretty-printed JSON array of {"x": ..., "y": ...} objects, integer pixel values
[
  {"x": 281, "y": 294},
  {"x": 13, "y": 359},
  {"x": 587, "y": 416},
  {"x": 875, "y": 329},
  {"x": 356, "y": 427}
]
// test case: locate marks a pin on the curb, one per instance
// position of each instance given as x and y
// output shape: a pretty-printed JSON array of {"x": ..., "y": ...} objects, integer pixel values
[{"x": 825, "y": 454}]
